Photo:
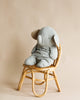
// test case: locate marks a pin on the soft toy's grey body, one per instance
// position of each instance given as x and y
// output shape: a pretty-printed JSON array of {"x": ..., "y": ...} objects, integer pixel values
[{"x": 45, "y": 51}]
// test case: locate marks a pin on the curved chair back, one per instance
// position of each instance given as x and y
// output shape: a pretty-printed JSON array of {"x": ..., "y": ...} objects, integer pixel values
[{"x": 59, "y": 53}]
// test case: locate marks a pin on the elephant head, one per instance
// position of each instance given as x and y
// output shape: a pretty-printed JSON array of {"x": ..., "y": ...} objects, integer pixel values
[{"x": 46, "y": 36}]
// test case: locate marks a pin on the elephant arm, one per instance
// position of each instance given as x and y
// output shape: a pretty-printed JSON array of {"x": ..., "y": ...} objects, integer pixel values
[
  {"x": 34, "y": 49},
  {"x": 53, "y": 53}
]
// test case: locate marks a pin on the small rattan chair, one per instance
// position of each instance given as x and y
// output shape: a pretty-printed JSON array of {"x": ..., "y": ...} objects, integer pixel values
[{"x": 46, "y": 71}]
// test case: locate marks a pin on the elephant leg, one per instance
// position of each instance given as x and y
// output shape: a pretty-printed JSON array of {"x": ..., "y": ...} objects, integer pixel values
[
  {"x": 45, "y": 63},
  {"x": 30, "y": 61}
]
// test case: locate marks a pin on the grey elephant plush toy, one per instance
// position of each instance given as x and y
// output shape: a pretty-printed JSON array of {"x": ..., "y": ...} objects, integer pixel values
[{"x": 45, "y": 51}]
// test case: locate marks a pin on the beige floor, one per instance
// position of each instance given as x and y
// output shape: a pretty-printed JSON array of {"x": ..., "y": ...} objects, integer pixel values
[
  {"x": 68, "y": 91},
  {"x": 26, "y": 93}
]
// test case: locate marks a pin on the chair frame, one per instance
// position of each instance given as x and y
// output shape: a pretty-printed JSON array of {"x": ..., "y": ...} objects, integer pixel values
[{"x": 46, "y": 71}]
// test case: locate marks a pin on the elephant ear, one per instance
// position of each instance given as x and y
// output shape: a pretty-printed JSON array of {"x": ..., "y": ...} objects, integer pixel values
[
  {"x": 56, "y": 40},
  {"x": 34, "y": 34}
]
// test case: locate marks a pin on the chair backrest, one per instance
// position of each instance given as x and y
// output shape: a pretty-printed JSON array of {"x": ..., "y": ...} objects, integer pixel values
[{"x": 59, "y": 53}]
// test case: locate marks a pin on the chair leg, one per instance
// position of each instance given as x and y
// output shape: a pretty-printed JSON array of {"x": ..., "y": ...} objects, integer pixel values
[
  {"x": 56, "y": 81},
  {"x": 22, "y": 79},
  {"x": 46, "y": 84}
]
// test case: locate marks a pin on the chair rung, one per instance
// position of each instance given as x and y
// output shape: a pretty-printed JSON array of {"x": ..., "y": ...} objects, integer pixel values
[
  {"x": 44, "y": 72},
  {"x": 44, "y": 80},
  {"x": 28, "y": 77},
  {"x": 51, "y": 79},
  {"x": 40, "y": 72},
  {"x": 39, "y": 79}
]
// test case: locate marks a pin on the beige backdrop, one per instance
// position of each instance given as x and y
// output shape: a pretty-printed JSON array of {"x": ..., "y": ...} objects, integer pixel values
[{"x": 18, "y": 18}]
